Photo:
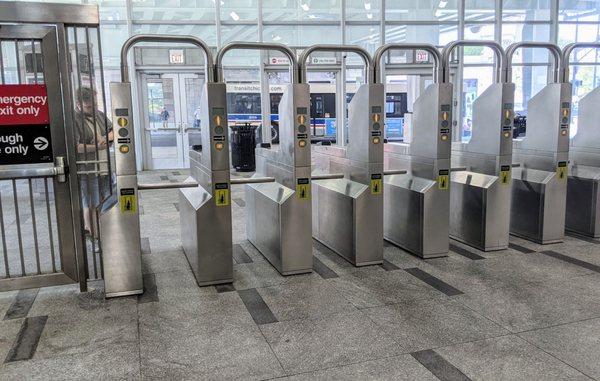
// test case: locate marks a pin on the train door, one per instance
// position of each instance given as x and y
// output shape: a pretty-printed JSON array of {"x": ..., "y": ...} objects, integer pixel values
[
  {"x": 402, "y": 87},
  {"x": 170, "y": 118},
  {"x": 323, "y": 105}
]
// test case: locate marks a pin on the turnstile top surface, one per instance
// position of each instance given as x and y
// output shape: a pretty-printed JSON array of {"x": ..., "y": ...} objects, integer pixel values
[
  {"x": 532, "y": 175},
  {"x": 196, "y": 196},
  {"x": 473, "y": 178},
  {"x": 585, "y": 172},
  {"x": 410, "y": 182},
  {"x": 330, "y": 150},
  {"x": 275, "y": 191},
  {"x": 348, "y": 187},
  {"x": 397, "y": 148}
]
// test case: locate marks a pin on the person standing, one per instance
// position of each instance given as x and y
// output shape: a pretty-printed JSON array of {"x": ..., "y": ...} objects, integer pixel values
[
  {"x": 93, "y": 136},
  {"x": 164, "y": 116}
]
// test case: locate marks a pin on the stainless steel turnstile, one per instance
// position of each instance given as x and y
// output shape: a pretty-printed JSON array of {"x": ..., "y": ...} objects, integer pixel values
[
  {"x": 278, "y": 214},
  {"x": 205, "y": 210},
  {"x": 480, "y": 195},
  {"x": 539, "y": 190},
  {"x": 583, "y": 195},
  {"x": 120, "y": 223},
  {"x": 348, "y": 212},
  {"x": 417, "y": 204}
]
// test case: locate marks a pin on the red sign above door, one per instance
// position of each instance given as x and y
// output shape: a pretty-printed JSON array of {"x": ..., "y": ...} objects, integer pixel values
[{"x": 23, "y": 104}]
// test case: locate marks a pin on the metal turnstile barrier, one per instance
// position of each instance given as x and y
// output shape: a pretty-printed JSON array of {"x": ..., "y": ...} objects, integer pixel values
[
  {"x": 481, "y": 195},
  {"x": 120, "y": 223},
  {"x": 583, "y": 195},
  {"x": 539, "y": 191},
  {"x": 348, "y": 212},
  {"x": 278, "y": 214},
  {"x": 417, "y": 204}
]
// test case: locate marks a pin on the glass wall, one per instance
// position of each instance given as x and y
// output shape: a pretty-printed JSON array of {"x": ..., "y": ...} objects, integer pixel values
[{"x": 370, "y": 23}]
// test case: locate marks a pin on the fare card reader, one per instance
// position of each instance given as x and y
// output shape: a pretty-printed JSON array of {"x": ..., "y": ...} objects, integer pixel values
[
  {"x": 539, "y": 191},
  {"x": 481, "y": 195},
  {"x": 120, "y": 224},
  {"x": 417, "y": 204},
  {"x": 348, "y": 212}
]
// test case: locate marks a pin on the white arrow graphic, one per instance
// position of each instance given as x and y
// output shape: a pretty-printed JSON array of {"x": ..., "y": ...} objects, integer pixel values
[{"x": 40, "y": 143}]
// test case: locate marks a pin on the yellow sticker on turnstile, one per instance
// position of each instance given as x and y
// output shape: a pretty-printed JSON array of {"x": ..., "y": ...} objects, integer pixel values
[
  {"x": 376, "y": 183},
  {"x": 303, "y": 189},
  {"x": 127, "y": 200},
  {"x": 505, "y": 174},
  {"x": 561, "y": 170},
  {"x": 222, "y": 194},
  {"x": 444, "y": 179}
]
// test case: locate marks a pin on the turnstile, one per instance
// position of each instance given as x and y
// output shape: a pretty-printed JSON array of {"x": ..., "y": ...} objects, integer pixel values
[
  {"x": 481, "y": 195},
  {"x": 417, "y": 204},
  {"x": 278, "y": 214},
  {"x": 583, "y": 195},
  {"x": 120, "y": 223},
  {"x": 205, "y": 210},
  {"x": 539, "y": 191},
  {"x": 348, "y": 212}
]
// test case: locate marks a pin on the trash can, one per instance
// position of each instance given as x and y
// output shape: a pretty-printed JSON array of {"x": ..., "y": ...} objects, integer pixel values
[{"x": 243, "y": 147}]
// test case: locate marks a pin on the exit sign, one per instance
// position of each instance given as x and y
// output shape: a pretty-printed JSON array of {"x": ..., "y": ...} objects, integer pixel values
[
  {"x": 176, "y": 56},
  {"x": 422, "y": 56}
]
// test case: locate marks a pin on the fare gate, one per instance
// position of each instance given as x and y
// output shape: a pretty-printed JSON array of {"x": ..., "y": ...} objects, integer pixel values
[
  {"x": 41, "y": 227},
  {"x": 417, "y": 204}
]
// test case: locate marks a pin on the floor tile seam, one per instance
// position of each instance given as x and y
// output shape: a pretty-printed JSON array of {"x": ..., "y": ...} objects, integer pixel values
[
  {"x": 139, "y": 340},
  {"x": 557, "y": 325},
  {"x": 271, "y": 349},
  {"x": 507, "y": 333},
  {"x": 443, "y": 297},
  {"x": 337, "y": 366},
  {"x": 499, "y": 324},
  {"x": 420, "y": 298},
  {"x": 556, "y": 357}
]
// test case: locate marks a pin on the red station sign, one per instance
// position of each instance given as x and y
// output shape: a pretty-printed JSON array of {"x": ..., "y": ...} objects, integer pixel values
[
  {"x": 23, "y": 105},
  {"x": 25, "y": 136}
]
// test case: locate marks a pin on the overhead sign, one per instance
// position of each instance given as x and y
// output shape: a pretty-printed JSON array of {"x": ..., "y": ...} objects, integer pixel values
[
  {"x": 279, "y": 61},
  {"x": 25, "y": 136},
  {"x": 176, "y": 56},
  {"x": 323, "y": 60},
  {"x": 421, "y": 56}
]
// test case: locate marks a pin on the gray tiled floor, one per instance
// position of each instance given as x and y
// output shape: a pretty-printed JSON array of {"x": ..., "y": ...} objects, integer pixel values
[{"x": 521, "y": 316}]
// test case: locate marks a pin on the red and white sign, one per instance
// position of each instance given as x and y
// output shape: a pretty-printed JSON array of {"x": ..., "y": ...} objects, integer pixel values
[
  {"x": 280, "y": 61},
  {"x": 23, "y": 104},
  {"x": 422, "y": 56}
]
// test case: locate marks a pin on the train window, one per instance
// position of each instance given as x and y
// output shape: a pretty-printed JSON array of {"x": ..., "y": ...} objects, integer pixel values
[
  {"x": 396, "y": 105},
  {"x": 275, "y": 100},
  {"x": 243, "y": 103}
]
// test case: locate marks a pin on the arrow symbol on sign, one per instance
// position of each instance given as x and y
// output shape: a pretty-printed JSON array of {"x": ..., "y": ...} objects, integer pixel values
[{"x": 40, "y": 143}]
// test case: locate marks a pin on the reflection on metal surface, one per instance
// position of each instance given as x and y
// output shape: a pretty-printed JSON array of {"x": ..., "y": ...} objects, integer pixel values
[{"x": 278, "y": 215}]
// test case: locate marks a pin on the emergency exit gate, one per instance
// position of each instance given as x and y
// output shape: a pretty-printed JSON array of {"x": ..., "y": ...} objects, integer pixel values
[{"x": 46, "y": 52}]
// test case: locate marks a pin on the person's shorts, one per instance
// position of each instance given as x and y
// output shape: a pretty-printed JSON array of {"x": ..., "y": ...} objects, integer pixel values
[{"x": 90, "y": 191}]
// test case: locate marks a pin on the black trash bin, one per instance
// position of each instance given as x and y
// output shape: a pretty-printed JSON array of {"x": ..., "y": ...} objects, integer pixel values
[{"x": 243, "y": 147}]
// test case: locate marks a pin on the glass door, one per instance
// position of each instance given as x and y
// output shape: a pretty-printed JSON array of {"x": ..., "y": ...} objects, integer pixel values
[
  {"x": 171, "y": 108},
  {"x": 191, "y": 90}
]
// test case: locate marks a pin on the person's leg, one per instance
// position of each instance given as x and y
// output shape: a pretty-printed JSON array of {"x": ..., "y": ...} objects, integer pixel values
[
  {"x": 94, "y": 206},
  {"x": 85, "y": 203}
]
